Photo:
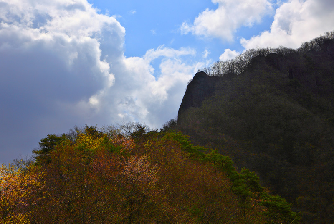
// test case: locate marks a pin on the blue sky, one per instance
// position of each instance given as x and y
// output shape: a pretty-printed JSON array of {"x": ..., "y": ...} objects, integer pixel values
[
  {"x": 66, "y": 63},
  {"x": 150, "y": 24}
]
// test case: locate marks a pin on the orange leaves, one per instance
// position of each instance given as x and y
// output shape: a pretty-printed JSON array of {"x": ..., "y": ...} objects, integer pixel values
[
  {"x": 139, "y": 169},
  {"x": 107, "y": 166},
  {"x": 126, "y": 144}
]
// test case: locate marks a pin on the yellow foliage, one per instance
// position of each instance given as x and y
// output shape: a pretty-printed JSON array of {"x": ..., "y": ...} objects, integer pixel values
[
  {"x": 89, "y": 141},
  {"x": 17, "y": 193}
]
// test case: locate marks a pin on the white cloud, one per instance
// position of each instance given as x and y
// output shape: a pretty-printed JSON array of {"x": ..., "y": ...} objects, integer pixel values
[
  {"x": 62, "y": 64},
  {"x": 227, "y": 18},
  {"x": 228, "y": 55},
  {"x": 167, "y": 52},
  {"x": 205, "y": 53},
  {"x": 295, "y": 22},
  {"x": 142, "y": 96}
]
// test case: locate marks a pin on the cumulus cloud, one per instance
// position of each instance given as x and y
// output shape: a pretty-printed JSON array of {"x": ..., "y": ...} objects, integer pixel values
[
  {"x": 62, "y": 64},
  {"x": 228, "y": 55},
  {"x": 227, "y": 18},
  {"x": 295, "y": 22},
  {"x": 142, "y": 94}
]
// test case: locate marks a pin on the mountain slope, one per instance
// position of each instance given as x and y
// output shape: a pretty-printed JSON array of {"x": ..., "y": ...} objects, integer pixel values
[{"x": 272, "y": 111}]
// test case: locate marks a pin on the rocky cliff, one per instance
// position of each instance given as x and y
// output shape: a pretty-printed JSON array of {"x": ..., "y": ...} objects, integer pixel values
[{"x": 200, "y": 88}]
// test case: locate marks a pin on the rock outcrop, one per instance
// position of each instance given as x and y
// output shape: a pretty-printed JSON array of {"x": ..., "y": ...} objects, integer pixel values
[{"x": 200, "y": 88}]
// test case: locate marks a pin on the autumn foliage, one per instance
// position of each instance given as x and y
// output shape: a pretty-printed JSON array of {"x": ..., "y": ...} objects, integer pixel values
[{"x": 108, "y": 177}]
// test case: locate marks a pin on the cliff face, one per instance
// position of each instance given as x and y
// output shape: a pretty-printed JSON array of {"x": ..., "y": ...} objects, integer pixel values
[{"x": 200, "y": 88}]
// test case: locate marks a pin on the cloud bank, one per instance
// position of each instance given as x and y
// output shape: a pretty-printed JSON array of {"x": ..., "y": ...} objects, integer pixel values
[
  {"x": 295, "y": 22},
  {"x": 62, "y": 64}
]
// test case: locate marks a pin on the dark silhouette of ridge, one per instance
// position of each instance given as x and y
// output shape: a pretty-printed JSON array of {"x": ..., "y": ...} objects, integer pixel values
[{"x": 272, "y": 111}]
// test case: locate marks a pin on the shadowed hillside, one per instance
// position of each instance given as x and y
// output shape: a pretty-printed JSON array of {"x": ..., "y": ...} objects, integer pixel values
[{"x": 272, "y": 111}]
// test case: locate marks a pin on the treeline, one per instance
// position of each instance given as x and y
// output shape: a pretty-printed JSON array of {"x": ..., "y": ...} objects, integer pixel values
[
  {"x": 239, "y": 64},
  {"x": 133, "y": 176}
]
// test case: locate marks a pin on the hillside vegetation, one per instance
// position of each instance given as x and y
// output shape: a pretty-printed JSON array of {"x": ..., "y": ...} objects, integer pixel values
[
  {"x": 112, "y": 176},
  {"x": 272, "y": 112}
]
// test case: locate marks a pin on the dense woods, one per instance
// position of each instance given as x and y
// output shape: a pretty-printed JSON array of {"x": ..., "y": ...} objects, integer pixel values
[
  {"x": 94, "y": 176},
  {"x": 272, "y": 112}
]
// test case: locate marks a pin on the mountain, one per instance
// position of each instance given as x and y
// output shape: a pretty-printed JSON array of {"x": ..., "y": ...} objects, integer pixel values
[{"x": 272, "y": 111}]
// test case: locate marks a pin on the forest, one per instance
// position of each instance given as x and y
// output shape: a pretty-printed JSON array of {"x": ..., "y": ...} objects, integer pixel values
[
  {"x": 272, "y": 112},
  {"x": 253, "y": 143},
  {"x": 133, "y": 176}
]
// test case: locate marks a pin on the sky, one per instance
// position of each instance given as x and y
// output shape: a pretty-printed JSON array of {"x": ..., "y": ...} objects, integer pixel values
[{"x": 67, "y": 63}]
